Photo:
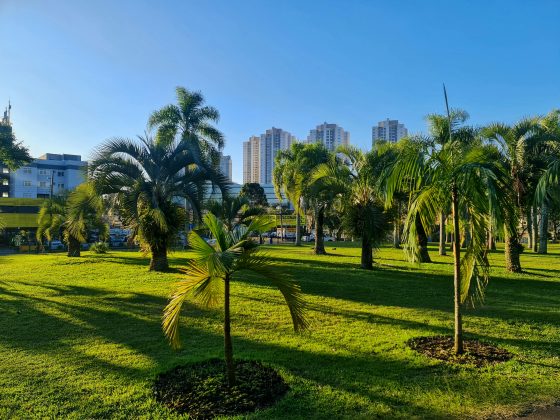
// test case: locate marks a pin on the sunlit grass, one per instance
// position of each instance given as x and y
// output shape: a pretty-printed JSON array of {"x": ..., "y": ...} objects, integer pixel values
[{"x": 81, "y": 337}]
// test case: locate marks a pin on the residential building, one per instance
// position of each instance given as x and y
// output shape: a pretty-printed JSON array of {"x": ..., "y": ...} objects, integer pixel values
[
  {"x": 259, "y": 154},
  {"x": 225, "y": 166},
  {"x": 49, "y": 174},
  {"x": 388, "y": 130},
  {"x": 330, "y": 135}
]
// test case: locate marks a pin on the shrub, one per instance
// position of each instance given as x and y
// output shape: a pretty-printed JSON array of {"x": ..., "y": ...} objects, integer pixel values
[{"x": 99, "y": 248}]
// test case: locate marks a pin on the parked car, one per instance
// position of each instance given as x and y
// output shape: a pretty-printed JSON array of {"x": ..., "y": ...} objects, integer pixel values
[
  {"x": 308, "y": 238},
  {"x": 56, "y": 245},
  {"x": 328, "y": 238}
]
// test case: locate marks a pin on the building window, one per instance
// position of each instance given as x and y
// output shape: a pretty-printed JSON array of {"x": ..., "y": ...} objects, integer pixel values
[
  {"x": 5, "y": 182},
  {"x": 5, "y": 171},
  {"x": 60, "y": 186},
  {"x": 42, "y": 184},
  {"x": 60, "y": 173},
  {"x": 5, "y": 194},
  {"x": 26, "y": 170},
  {"x": 42, "y": 171},
  {"x": 27, "y": 183}
]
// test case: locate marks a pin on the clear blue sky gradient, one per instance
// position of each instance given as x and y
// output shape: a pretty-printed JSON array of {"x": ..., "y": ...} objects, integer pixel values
[{"x": 79, "y": 72}]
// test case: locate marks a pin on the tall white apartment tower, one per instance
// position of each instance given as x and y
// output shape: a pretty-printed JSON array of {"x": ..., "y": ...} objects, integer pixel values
[
  {"x": 259, "y": 154},
  {"x": 388, "y": 130},
  {"x": 330, "y": 135}
]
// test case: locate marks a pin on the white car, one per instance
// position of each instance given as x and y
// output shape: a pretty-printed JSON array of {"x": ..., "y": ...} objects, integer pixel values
[{"x": 328, "y": 238}]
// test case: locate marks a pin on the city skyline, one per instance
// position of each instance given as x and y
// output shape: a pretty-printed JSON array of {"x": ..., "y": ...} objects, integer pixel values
[{"x": 76, "y": 76}]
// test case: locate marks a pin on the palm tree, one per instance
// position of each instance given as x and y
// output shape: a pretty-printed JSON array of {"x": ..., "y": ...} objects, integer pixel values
[
  {"x": 464, "y": 173},
  {"x": 215, "y": 267},
  {"x": 313, "y": 194},
  {"x": 356, "y": 178},
  {"x": 439, "y": 127},
  {"x": 512, "y": 142},
  {"x": 289, "y": 179},
  {"x": 549, "y": 179},
  {"x": 147, "y": 178},
  {"x": 233, "y": 212},
  {"x": 72, "y": 216},
  {"x": 190, "y": 120}
]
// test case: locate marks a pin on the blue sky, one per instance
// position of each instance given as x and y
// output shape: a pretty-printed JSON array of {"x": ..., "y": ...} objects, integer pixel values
[{"x": 79, "y": 72}]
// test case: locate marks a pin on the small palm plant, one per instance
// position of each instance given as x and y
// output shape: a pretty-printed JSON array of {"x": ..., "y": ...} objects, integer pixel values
[{"x": 212, "y": 270}]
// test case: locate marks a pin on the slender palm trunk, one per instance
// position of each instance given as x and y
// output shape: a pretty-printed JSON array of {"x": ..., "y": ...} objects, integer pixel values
[
  {"x": 159, "y": 258},
  {"x": 543, "y": 229},
  {"x": 422, "y": 239},
  {"x": 396, "y": 233},
  {"x": 228, "y": 345},
  {"x": 73, "y": 247},
  {"x": 367, "y": 253},
  {"x": 442, "y": 250},
  {"x": 298, "y": 228},
  {"x": 535, "y": 230},
  {"x": 529, "y": 228},
  {"x": 319, "y": 240},
  {"x": 458, "y": 340},
  {"x": 512, "y": 253}
]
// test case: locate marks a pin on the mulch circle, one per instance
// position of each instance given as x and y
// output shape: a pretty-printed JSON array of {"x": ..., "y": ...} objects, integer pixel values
[
  {"x": 200, "y": 389},
  {"x": 476, "y": 353}
]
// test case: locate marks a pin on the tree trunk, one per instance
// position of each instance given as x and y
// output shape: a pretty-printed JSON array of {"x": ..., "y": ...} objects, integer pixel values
[
  {"x": 319, "y": 240},
  {"x": 159, "y": 258},
  {"x": 397, "y": 233},
  {"x": 228, "y": 345},
  {"x": 422, "y": 239},
  {"x": 442, "y": 250},
  {"x": 298, "y": 228},
  {"x": 512, "y": 251},
  {"x": 73, "y": 247},
  {"x": 458, "y": 339},
  {"x": 367, "y": 253},
  {"x": 543, "y": 229},
  {"x": 535, "y": 230},
  {"x": 529, "y": 229}
]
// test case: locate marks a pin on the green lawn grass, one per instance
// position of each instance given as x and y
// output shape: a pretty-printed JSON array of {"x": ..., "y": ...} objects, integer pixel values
[{"x": 81, "y": 337}]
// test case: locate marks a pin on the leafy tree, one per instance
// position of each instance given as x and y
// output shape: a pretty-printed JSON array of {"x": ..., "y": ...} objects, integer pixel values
[
  {"x": 72, "y": 217},
  {"x": 212, "y": 270},
  {"x": 146, "y": 178},
  {"x": 466, "y": 174},
  {"x": 356, "y": 178},
  {"x": 253, "y": 192},
  {"x": 12, "y": 152}
]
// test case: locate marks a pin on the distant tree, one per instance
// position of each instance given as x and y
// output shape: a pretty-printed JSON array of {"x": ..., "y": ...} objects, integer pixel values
[
  {"x": 72, "y": 216},
  {"x": 253, "y": 192},
  {"x": 356, "y": 178},
  {"x": 213, "y": 268},
  {"x": 233, "y": 211},
  {"x": 12, "y": 152}
]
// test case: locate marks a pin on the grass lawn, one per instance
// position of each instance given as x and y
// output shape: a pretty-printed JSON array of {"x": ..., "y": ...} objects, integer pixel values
[{"x": 81, "y": 337}]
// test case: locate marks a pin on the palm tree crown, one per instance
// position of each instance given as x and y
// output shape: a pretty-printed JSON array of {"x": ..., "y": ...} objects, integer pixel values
[{"x": 147, "y": 178}]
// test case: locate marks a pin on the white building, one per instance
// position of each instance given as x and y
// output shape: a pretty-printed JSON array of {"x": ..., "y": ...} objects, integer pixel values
[
  {"x": 50, "y": 173},
  {"x": 330, "y": 135},
  {"x": 388, "y": 130},
  {"x": 259, "y": 154},
  {"x": 225, "y": 166}
]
